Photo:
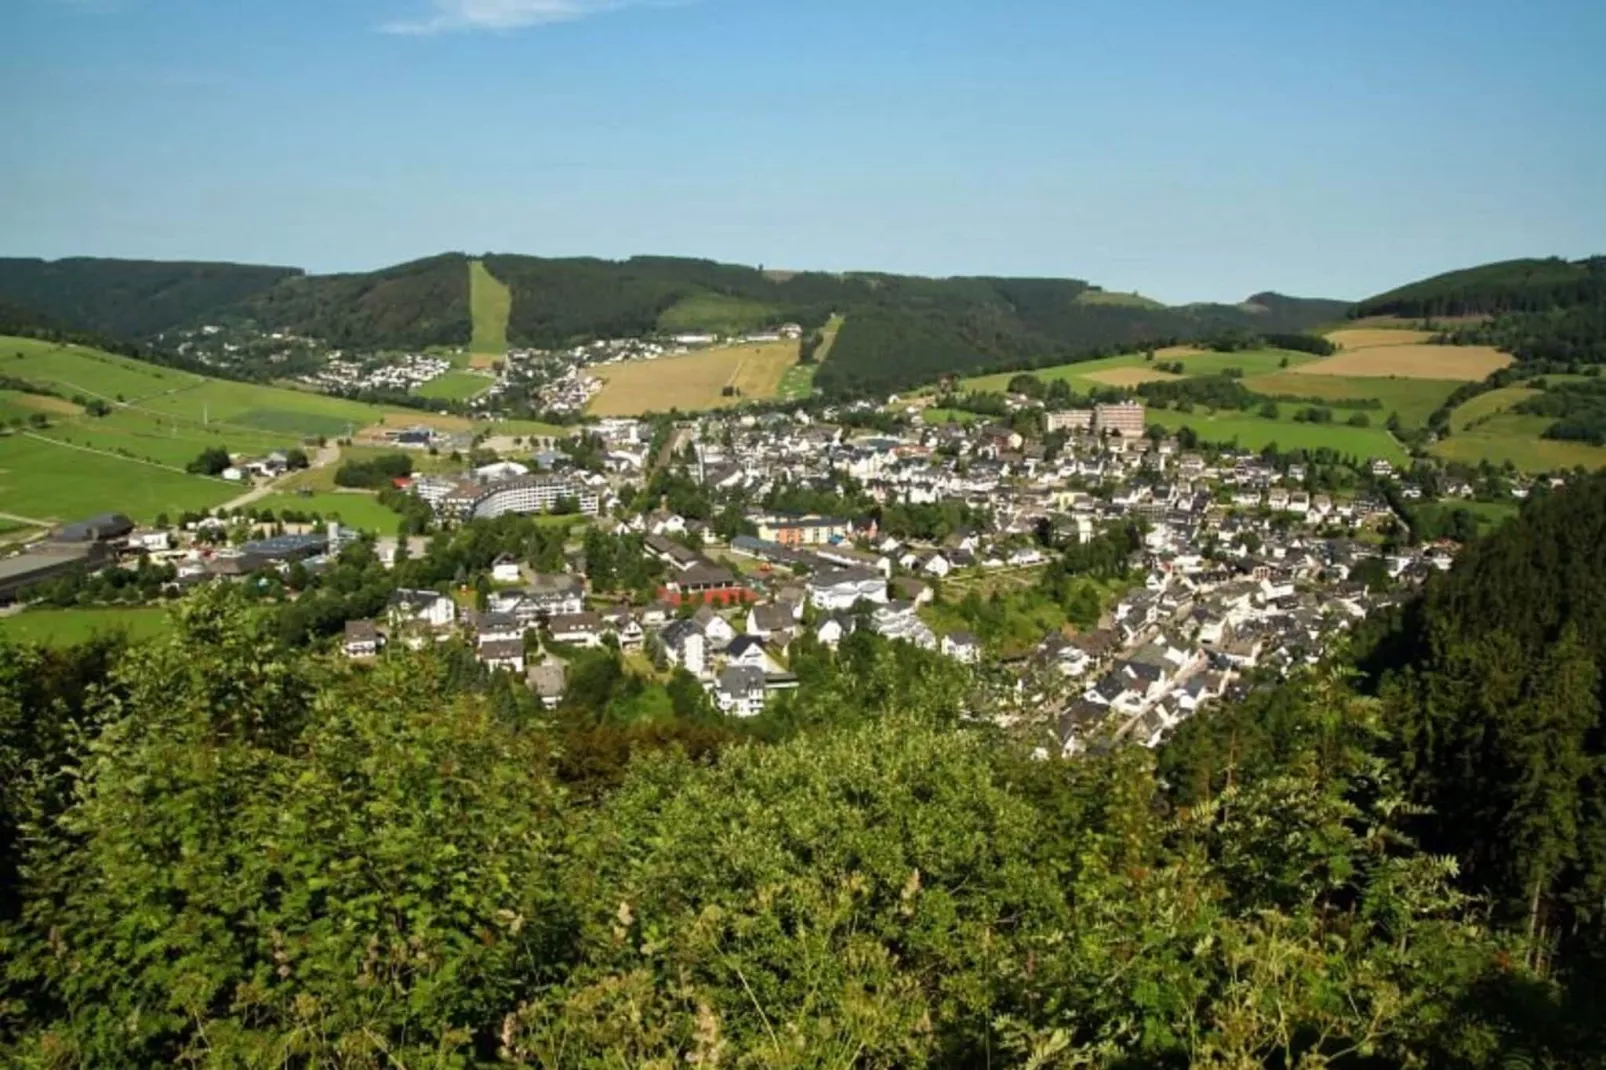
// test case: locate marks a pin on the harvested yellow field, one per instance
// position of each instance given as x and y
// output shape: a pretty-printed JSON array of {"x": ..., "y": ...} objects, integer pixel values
[
  {"x": 694, "y": 382},
  {"x": 1462, "y": 363},
  {"x": 1372, "y": 337},
  {"x": 1128, "y": 377},
  {"x": 1178, "y": 352}
]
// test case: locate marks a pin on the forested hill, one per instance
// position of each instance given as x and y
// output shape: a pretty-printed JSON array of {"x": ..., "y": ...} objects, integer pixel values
[
  {"x": 900, "y": 330},
  {"x": 1509, "y": 286},
  {"x": 131, "y": 299}
]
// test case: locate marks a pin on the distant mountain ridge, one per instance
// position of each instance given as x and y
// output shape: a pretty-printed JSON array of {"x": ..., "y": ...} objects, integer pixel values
[
  {"x": 900, "y": 330},
  {"x": 1527, "y": 285}
]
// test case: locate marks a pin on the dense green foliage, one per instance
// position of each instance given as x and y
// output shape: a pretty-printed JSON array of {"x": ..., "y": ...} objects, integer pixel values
[
  {"x": 1579, "y": 409},
  {"x": 1508, "y": 286},
  {"x": 231, "y": 854},
  {"x": 556, "y": 302},
  {"x": 132, "y": 299},
  {"x": 423, "y": 303},
  {"x": 1492, "y": 683}
]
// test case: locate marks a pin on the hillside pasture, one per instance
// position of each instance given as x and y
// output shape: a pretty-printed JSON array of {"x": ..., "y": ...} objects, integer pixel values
[
  {"x": 1256, "y": 433},
  {"x": 1491, "y": 403},
  {"x": 1412, "y": 400},
  {"x": 52, "y": 481},
  {"x": 1350, "y": 338},
  {"x": 694, "y": 382},
  {"x": 15, "y": 404},
  {"x": 1088, "y": 375},
  {"x": 76, "y": 370},
  {"x": 1463, "y": 363},
  {"x": 1130, "y": 377},
  {"x": 1517, "y": 438}
]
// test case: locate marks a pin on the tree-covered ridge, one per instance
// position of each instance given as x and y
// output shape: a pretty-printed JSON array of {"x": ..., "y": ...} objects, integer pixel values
[
  {"x": 1532, "y": 285},
  {"x": 917, "y": 330},
  {"x": 132, "y": 299},
  {"x": 900, "y": 330},
  {"x": 224, "y": 852},
  {"x": 414, "y": 305}
]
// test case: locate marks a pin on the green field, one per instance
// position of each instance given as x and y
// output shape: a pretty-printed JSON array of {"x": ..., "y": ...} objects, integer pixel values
[
  {"x": 1484, "y": 429},
  {"x": 1490, "y": 515},
  {"x": 717, "y": 313},
  {"x": 1486, "y": 405},
  {"x": 490, "y": 303},
  {"x": 455, "y": 386},
  {"x": 52, "y": 481},
  {"x": 1412, "y": 400},
  {"x": 1256, "y": 433},
  {"x": 1257, "y": 362},
  {"x": 65, "y": 627},
  {"x": 934, "y": 417},
  {"x": 361, "y": 511}
]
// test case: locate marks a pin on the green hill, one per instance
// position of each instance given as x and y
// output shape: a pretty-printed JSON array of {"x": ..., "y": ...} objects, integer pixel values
[
  {"x": 1508, "y": 286},
  {"x": 900, "y": 330}
]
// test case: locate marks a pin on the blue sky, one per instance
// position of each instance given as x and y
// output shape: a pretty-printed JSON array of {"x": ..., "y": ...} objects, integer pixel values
[{"x": 1190, "y": 150}]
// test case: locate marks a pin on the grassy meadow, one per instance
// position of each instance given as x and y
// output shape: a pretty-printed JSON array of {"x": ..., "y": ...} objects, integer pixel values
[
  {"x": 1254, "y": 432},
  {"x": 1088, "y": 375},
  {"x": 455, "y": 386},
  {"x": 1412, "y": 400},
  {"x": 490, "y": 305},
  {"x": 49, "y": 480},
  {"x": 66, "y": 627},
  {"x": 356, "y": 510}
]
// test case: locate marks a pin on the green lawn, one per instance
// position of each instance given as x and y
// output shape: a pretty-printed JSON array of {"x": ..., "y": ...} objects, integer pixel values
[
  {"x": 1412, "y": 400},
  {"x": 933, "y": 417},
  {"x": 491, "y": 303},
  {"x": 455, "y": 386},
  {"x": 64, "y": 627},
  {"x": 1256, "y": 433},
  {"x": 361, "y": 511},
  {"x": 51, "y": 481}
]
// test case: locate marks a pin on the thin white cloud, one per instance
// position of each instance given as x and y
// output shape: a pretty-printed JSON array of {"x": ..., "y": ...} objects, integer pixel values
[{"x": 450, "y": 15}]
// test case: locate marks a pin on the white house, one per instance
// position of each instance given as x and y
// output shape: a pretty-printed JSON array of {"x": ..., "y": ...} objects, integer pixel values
[
  {"x": 716, "y": 629},
  {"x": 741, "y": 691},
  {"x": 748, "y": 650},
  {"x": 505, "y": 569},
  {"x": 962, "y": 647},
  {"x": 430, "y": 608},
  {"x": 843, "y": 588},
  {"x": 685, "y": 645}
]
